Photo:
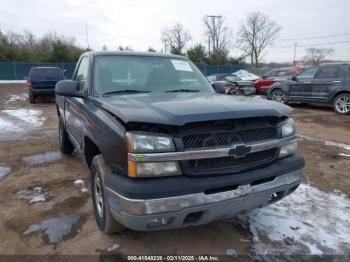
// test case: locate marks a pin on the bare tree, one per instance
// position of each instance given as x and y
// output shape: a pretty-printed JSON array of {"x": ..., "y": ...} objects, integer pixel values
[
  {"x": 218, "y": 34},
  {"x": 256, "y": 34},
  {"x": 176, "y": 38},
  {"x": 316, "y": 55}
]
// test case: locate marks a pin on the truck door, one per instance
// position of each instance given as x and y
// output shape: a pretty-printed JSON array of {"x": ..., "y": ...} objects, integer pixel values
[
  {"x": 74, "y": 105},
  {"x": 327, "y": 78},
  {"x": 301, "y": 89}
]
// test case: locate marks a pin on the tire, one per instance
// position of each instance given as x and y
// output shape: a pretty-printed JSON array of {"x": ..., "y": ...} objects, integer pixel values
[
  {"x": 66, "y": 145},
  {"x": 341, "y": 104},
  {"x": 103, "y": 215},
  {"x": 31, "y": 98},
  {"x": 279, "y": 96}
]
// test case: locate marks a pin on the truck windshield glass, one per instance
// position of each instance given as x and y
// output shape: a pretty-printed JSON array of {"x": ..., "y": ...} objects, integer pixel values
[{"x": 115, "y": 74}]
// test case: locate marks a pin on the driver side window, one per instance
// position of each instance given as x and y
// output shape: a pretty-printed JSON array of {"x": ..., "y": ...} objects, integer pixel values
[
  {"x": 308, "y": 74},
  {"x": 82, "y": 73}
]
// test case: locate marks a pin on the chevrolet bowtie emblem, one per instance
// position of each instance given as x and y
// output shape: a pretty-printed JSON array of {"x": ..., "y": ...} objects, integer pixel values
[{"x": 239, "y": 151}]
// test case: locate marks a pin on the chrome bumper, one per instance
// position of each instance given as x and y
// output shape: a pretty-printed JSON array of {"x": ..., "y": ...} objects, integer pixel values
[
  {"x": 209, "y": 153},
  {"x": 178, "y": 203}
]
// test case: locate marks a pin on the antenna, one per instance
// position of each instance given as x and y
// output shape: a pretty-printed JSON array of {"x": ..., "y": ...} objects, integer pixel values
[{"x": 87, "y": 35}]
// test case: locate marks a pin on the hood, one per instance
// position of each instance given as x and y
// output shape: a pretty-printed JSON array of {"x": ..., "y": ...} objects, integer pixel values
[{"x": 178, "y": 109}]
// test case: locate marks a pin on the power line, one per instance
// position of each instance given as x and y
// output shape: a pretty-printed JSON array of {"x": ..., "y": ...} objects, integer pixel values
[
  {"x": 313, "y": 37},
  {"x": 309, "y": 45}
]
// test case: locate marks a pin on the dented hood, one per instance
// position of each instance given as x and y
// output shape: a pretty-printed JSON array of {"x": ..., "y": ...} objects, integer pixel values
[{"x": 177, "y": 109}]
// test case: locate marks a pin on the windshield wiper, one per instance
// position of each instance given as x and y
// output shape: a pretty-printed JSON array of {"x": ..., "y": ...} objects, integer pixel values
[
  {"x": 182, "y": 90},
  {"x": 126, "y": 91}
]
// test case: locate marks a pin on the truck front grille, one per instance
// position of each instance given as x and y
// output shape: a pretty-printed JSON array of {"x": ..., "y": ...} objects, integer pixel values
[
  {"x": 232, "y": 164},
  {"x": 226, "y": 139},
  {"x": 227, "y": 134}
]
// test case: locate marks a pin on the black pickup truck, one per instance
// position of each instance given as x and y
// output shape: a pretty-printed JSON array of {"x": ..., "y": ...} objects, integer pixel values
[{"x": 166, "y": 151}]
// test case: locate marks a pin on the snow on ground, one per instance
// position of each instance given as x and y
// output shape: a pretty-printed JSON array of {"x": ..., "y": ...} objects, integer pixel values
[
  {"x": 17, "y": 123},
  {"x": 44, "y": 158},
  {"x": 30, "y": 116},
  {"x": 13, "y": 81},
  {"x": 4, "y": 172},
  {"x": 308, "y": 221},
  {"x": 14, "y": 98},
  {"x": 326, "y": 142}
]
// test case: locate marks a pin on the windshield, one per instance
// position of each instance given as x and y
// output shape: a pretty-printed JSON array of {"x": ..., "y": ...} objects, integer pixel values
[
  {"x": 46, "y": 74},
  {"x": 133, "y": 74}
]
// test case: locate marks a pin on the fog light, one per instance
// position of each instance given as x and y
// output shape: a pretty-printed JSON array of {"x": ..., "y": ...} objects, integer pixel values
[
  {"x": 157, "y": 222},
  {"x": 288, "y": 149}
]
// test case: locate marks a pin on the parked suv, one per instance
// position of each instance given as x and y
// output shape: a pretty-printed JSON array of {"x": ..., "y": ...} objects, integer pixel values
[
  {"x": 165, "y": 151},
  {"x": 328, "y": 84},
  {"x": 276, "y": 75},
  {"x": 42, "y": 81}
]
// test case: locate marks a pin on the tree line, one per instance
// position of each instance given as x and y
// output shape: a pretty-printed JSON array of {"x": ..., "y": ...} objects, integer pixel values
[
  {"x": 25, "y": 47},
  {"x": 255, "y": 34}
]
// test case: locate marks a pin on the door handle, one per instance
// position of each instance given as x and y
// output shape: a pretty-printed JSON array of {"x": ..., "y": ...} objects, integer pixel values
[
  {"x": 336, "y": 81},
  {"x": 307, "y": 82}
]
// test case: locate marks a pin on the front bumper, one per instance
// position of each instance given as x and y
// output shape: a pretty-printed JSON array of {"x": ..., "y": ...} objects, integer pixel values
[{"x": 199, "y": 208}]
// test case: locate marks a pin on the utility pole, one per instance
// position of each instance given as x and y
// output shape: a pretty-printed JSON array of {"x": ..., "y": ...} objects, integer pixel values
[
  {"x": 295, "y": 54},
  {"x": 213, "y": 36},
  {"x": 87, "y": 35}
]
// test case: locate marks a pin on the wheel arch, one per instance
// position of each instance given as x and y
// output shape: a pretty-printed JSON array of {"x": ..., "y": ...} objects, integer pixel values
[
  {"x": 90, "y": 150},
  {"x": 338, "y": 93}
]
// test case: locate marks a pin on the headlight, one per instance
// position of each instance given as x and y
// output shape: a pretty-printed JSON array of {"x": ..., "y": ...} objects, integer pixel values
[
  {"x": 142, "y": 143},
  {"x": 153, "y": 169},
  {"x": 288, "y": 128},
  {"x": 288, "y": 149}
]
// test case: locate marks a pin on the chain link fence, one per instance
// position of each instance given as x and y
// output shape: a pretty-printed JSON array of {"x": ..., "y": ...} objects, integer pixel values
[{"x": 19, "y": 70}]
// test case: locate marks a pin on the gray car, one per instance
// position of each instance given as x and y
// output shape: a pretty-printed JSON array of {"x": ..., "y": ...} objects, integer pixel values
[{"x": 233, "y": 82}]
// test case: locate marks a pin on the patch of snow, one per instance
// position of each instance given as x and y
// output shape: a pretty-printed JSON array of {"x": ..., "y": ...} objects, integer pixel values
[
  {"x": 37, "y": 194},
  {"x": 345, "y": 155},
  {"x": 81, "y": 184},
  {"x": 113, "y": 248},
  {"x": 315, "y": 222},
  {"x": 29, "y": 116},
  {"x": 4, "y": 172},
  {"x": 13, "y": 81},
  {"x": 231, "y": 252},
  {"x": 7, "y": 126},
  {"x": 326, "y": 142},
  {"x": 43, "y": 158},
  {"x": 14, "y": 98}
]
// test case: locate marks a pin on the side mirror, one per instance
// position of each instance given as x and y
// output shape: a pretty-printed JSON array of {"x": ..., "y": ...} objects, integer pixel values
[
  {"x": 219, "y": 88},
  {"x": 68, "y": 88},
  {"x": 264, "y": 76},
  {"x": 294, "y": 78}
]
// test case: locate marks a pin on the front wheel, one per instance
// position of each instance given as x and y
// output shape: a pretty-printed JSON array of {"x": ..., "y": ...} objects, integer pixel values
[
  {"x": 103, "y": 215},
  {"x": 278, "y": 96},
  {"x": 341, "y": 104}
]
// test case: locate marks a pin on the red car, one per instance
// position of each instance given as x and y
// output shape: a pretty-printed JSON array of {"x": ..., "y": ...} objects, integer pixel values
[{"x": 285, "y": 73}]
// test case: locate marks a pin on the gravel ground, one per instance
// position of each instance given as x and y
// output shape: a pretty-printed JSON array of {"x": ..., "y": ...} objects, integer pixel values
[{"x": 46, "y": 208}]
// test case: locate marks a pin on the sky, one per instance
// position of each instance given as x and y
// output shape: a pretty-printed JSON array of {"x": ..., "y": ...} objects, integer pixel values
[{"x": 139, "y": 23}]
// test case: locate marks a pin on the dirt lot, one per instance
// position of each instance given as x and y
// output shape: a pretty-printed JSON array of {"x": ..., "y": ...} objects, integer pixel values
[{"x": 30, "y": 159}]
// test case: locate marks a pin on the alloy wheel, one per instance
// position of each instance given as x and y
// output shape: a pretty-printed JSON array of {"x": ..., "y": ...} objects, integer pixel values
[
  {"x": 342, "y": 104},
  {"x": 98, "y": 196},
  {"x": 278, "y": 96}
]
